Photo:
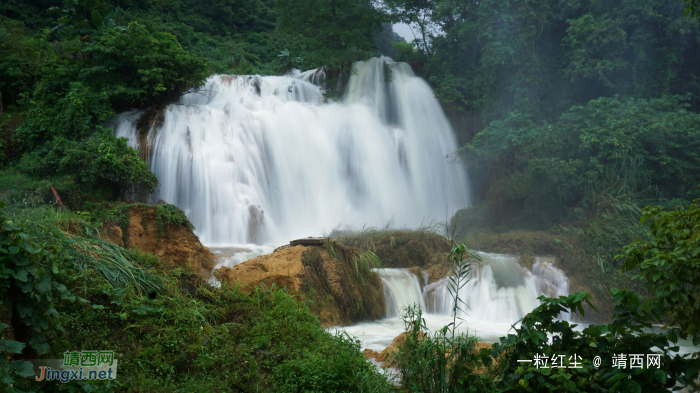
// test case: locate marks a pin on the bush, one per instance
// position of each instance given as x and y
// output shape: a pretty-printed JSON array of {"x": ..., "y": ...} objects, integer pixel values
[
  {"x": 613, "y": 151},
  {"x": 112, "y": 70},
  {"x": 669, "y": 264},
  {"x": 542, "y": 334},
  {"x": 105, "y": 161}
]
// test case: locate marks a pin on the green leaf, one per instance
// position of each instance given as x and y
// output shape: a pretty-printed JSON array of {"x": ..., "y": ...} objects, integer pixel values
[
  {"x": 23, "y": 368},
  {"x": 11, "y": 346},
  {"x": 61, "y": 288},
  {"x": 38, "y": 342},
  {"x": 44, "y": 285}
]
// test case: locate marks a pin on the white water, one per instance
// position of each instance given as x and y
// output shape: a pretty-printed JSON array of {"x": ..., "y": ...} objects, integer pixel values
[
  {"x": 499, "y": 289},
  {"x": 499, "y": 293},
  {"x": 401, "y": 289},
  {"x": 249, "y": 141}
]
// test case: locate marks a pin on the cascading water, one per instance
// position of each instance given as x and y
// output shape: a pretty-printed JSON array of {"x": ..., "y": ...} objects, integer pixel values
[
  {"x": 499, "y": 289},
  {"x": 251, "y": 159},
  {"x": 499, "y": 293},
  {"x": 401, "y": 289}
]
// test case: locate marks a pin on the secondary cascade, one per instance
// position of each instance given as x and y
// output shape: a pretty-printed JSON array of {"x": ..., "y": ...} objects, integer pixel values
[{"x": 498, "y": 289}]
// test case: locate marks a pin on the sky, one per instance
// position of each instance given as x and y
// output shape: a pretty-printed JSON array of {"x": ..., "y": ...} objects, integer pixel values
[{"x": 404, "y": 31}]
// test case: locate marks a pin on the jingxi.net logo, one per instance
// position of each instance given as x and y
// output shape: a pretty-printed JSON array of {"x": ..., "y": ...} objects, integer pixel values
[{"x": 83, "y": 365}]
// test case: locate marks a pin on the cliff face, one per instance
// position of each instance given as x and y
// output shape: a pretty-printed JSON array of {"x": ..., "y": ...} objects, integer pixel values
[
  {"x": 176, "y": 246},
  {"x": 330, "y": 285}
]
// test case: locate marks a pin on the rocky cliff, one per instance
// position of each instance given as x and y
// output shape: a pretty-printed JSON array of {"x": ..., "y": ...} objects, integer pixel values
[{"x": 174, "y": 244}]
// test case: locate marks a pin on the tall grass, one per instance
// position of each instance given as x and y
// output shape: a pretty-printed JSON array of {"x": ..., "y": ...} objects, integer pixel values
[
  {"x": 443, "y": 361},
  {"x": 362, "y": 261},
  {"x": 73, "y": 234}
]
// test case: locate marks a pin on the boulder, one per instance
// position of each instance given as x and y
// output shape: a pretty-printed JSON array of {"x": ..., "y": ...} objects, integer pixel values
[{"x": 282, "y": 268}]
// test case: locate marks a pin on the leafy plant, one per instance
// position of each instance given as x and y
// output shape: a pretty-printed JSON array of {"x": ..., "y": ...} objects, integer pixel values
[
  {"x": 443, "y": 361},
  {"x": 31, "y": 290},
  {"x": 104, "y": 161},
  {"x": 668, "y": 262},
  {"x": 542, "y": 336}
]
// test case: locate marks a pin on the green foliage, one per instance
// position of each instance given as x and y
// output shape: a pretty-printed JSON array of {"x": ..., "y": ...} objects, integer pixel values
[
  {"x": 444, "y": 361},
  {"x": 335, "y": 33},
  {"x": 96, "y": 77},
  {"x": 30, "y": 287},
  {"x": 692, "y": 8},
  {"x": 101, "y": 167},
  {"x": 103, "y": 160},
  {"x": 630, "y": 332},
  {"x": 513, "y": 76},
  {"x": 22, "y": 56},
  {"x": 141, "y": 67},
  {"x": 669, "y": 262},
  {"x": 82, "y": 16},
  {"x": 328, "y": 372},
  {"x": 385, "y": 40},
  {"x": 607, "y": 156},
  {"x": 168, "y": 215},
  {"x": 194, "y": 337}
]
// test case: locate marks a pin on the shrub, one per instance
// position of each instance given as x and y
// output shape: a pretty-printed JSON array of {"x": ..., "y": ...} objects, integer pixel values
[{"x": 105, "y": 161}]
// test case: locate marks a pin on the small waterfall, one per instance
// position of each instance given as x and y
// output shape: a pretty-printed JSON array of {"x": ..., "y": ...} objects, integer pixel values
[
  {"x": 401, "y": 289},
  {"x": 254, "y": 159},
  {"x": 550, "y": 281},
  {"x": 499, "y": 289}
]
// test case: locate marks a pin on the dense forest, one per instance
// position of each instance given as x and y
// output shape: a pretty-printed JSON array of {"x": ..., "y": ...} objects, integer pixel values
[{"x": 572, "y": 117}]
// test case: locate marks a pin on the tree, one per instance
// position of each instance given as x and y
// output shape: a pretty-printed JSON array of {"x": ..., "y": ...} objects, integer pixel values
[
  {"x": 335, "y": 33},
  {"x": 669, "y": 263},
  {"x": 105, "y": 161},
  {"x": 692, "y": 9}
]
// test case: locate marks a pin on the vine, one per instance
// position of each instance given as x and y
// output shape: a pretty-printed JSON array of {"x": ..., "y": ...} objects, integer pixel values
[{"x": 122, "y": 217}]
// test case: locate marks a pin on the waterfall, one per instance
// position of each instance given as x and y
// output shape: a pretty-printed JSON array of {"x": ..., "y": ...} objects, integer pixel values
[
  {"x": 254, "y": 159},
  {"x": 497, "y": 290},
  {"x": 401, "y": 289}
]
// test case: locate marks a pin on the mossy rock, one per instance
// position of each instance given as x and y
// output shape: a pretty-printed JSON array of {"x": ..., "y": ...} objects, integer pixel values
[{"x": 526, "y": 261}]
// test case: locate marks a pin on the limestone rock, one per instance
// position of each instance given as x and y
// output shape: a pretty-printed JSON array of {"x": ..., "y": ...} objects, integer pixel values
[
  {"x": 330, "y": 285},
  {"x": 282, "y": 268},
  {"x": 179, "y": 246},
  {"x": 370, "y": 354},
  {"x": 526, "y": 261},
  {"x": 387, "y": 353}
]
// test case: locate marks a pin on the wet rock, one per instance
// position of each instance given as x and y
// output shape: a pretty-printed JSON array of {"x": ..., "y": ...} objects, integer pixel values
[
  {"x": 370, "y": 354},
  {"x": 526, "y": 261}
]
